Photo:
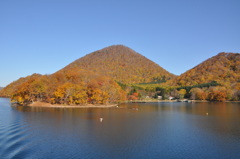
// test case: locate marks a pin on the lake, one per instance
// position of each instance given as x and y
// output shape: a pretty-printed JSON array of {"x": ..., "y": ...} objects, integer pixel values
[{"x": 137, "y": 130}]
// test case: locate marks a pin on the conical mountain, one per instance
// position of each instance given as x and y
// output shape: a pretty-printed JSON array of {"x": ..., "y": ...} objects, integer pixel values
[
  {"x": 122, "y": 64},
  {"x": 223, "y": 68}
]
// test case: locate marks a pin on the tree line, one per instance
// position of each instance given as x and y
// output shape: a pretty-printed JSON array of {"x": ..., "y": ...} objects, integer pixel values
[
  {"x": 68, "y": 88},
  {"x": 208, "y": 91}
]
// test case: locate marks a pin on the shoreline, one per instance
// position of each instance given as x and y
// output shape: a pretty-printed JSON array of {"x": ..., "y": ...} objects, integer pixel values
[
  {"x": 175, "y": 101},
  {"x": 75, "y": 106},
  {"x": 48, "y": 105}
]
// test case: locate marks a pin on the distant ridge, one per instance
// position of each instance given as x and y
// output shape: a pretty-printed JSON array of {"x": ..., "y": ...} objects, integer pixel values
[
  {"x": 223, "y": 68},
  {"x": 122, "y": 64}
]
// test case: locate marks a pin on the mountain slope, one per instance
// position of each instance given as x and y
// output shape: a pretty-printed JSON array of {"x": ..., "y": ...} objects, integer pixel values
[
  {"x": 223, "y": 68},
  {"x": 122, "y": 64},
  {"x": 77, "y": 87},
  {"x": 8, "y": 90}
]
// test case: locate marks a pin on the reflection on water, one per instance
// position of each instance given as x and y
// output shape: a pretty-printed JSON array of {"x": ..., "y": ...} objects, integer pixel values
[{"x": 146, "y": 130}]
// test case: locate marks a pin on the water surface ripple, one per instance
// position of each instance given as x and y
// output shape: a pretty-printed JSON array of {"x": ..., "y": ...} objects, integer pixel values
[{"x": 146, "y": 130}]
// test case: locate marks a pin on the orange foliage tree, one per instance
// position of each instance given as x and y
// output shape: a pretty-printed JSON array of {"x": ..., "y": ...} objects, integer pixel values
[
  {"x": 217, "y": 94},
  {"x": 77, "y": 87}
]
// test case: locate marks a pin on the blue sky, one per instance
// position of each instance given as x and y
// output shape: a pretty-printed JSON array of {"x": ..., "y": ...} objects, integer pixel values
[{"x": 43, "y": 36}]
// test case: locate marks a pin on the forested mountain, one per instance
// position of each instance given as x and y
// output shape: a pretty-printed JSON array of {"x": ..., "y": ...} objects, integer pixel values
[
  {"x": 122, "y": 64},
  {"x": 89, "y": 80},
  {"x": 107, "y": 76},
  {"x": 223, "y": 68},
  {"x": 1, "y": 88}
]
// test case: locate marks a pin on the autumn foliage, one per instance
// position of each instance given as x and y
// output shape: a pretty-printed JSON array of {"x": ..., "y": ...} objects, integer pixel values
[
  {"x": 123, "y": 65},
  {"x": 218, "y": 93},
  {"x": 215, "y": 79},
  {"x": 77, "y": 87},
  {"x": 223, "y": 68},
  {"x": 117, "y": 73}
]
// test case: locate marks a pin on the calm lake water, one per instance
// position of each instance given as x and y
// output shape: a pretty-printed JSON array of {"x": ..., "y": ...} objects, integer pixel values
[{"x": 147, "y": 130}]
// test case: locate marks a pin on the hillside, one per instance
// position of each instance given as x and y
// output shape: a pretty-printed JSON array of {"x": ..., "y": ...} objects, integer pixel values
[
  {"x": 94, "y": 79},
  {"x": 223, "y": 68},
  {"x": 122, "y": 64},
  {"x": 8, "y": 90},
  {"x": 76, "y": 87},
  {"x": 95, "y": 75}
]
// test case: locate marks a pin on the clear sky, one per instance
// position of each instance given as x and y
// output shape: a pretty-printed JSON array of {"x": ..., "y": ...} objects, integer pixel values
[{"x": 43, "y": 36}]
